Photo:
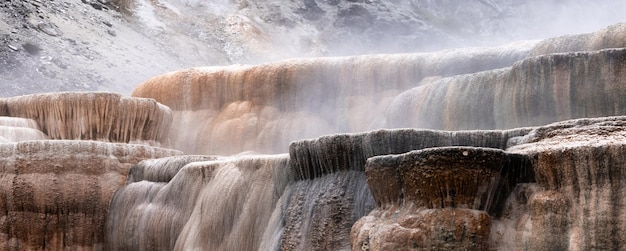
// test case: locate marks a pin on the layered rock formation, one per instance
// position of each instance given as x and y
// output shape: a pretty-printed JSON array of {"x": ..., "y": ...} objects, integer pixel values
[
  {"x": 336, "y": 157},
  {"x": 14, "y": 129},
  {"x": 579, "y": 169},
  {"x": 566, "y": 193},
  {"x": 264, "y": 107},
  {"x": 92, "y": 116},
  {"x": 55, "y": 194},
  {"x": 535, "y": 91},
  {"x": 340, "y": 192},
  {"x": 436, "y": 198},
  {"x": 81, "y": 170}
]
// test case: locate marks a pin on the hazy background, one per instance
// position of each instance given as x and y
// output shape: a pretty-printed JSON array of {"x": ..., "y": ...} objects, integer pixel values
[{"x": 91, "y": 45}]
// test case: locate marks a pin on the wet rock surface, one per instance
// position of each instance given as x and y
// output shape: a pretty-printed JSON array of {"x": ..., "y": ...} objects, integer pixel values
[
  {"x": 93, "y": 116},
  {"x": 55, "y": 194},
  {"x": 436, "y": 198},
  {"x": 527, "y": 188},
  {"x": 549, "y": 187},
  {"x": 178, "y": 203},
  {"x": 463, "y": 177},
  {"x": 579, "y": 165},
  {"x": 575, "y": 166}
]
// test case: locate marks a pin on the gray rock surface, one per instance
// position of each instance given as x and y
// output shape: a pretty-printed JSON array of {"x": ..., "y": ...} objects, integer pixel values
[{"x": 65, "y": 45}]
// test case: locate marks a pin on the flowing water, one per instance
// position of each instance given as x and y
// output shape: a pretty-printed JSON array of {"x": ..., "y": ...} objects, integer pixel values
[{"x": 83, "y": 170}]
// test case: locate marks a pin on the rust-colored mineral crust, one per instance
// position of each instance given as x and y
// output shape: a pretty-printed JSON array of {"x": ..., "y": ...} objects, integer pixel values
[
  {"x": 98, "y": 116},
  {"x": 442, "y": 196},
  {"x": 463, "y": 177},
  {"x": 55, "y": 194}
]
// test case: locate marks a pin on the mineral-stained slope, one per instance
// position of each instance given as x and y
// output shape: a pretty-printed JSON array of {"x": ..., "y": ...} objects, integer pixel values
[
  {"x": 264, "y": 107},
  {"x": 554, "y": 186},
  {"x": 54, "y": 195},
  {"x": 55, "y": 185},
  {"x": 566, "y": 195},
  {"x": 579, "y": 166},
  {"x": 92, "y": 116}
]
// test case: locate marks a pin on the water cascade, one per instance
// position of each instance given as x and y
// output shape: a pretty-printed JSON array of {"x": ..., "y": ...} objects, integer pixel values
[
  {"x": 445, "y": 150},
  {"x": 265, "y": 107},
  {"x": 15, "y": 129},
  {"x": 197, "y": 202},
  {"x": 55, "y": 193}
]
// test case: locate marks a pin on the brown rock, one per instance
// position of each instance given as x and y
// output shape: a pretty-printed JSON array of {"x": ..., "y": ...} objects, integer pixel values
[
  {"x": 101, "y": 116},
  {"x": 56, "y": 194}
]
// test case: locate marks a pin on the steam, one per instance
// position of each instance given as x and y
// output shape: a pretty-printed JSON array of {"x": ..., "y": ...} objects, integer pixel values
[
  {"x": 110, "y": 54},
  {"x": 338, "y": 28},
  {"x": 214, "y": 7}
]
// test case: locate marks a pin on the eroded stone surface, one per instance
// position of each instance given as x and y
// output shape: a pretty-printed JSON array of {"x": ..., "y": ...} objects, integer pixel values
[{"x": 55, "y": 194}]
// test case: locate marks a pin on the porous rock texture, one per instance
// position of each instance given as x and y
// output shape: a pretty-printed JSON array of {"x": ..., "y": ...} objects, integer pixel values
[
  {"x": 330, "y": 192},
  {"x": 580, "y": 167},
  {"x": 570, "y": 199},
  {"x": 54, "y": 195},
  {"x": 465, "y": 177},
  {"x": 436, "y": 198},
  {"x": 62, "y": 156}
]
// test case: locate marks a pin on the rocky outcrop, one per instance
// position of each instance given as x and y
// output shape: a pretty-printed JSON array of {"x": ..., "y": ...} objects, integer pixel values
[
  {"x": 565, "y": 195},
  {"x": 342, "y": 152},
  {"x": 331, "y": 193},
  {"x": 578, "y": 166},
  {"x": 436, "y": 198},
  {"x": 59, "y": 169},
  {"x": 527, "y": 189},
  {"x": 440, "y": 177},
  {"x": 55, "y": 194},
  {"x": 98, "y": 116}
]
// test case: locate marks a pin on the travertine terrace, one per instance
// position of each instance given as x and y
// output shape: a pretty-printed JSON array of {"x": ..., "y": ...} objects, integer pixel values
[{"x": 516, "y": 147}]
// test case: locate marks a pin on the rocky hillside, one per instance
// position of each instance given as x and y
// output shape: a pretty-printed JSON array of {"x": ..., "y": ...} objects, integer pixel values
[{"x": 96, "y": 45}]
